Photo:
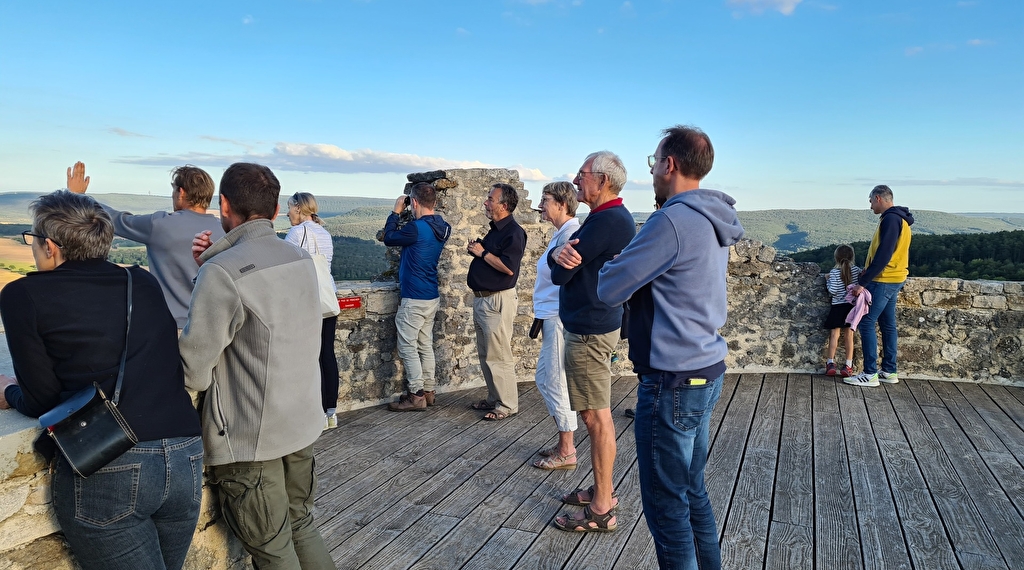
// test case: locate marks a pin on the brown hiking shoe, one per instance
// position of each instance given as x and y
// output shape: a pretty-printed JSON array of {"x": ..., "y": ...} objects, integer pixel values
[
  {"x": 429, "y": 396},
  {"x": 409, "y": 403}
]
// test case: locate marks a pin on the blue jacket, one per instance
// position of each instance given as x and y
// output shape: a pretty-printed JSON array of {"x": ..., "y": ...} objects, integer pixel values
[
  {"x": 674, "y": 270},
  {"x": 422, "y": 241}
]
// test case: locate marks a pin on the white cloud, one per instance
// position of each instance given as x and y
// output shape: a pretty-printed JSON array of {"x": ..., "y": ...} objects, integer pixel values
[
  {"x": 461, "y": 32},
  {"x": 306, "y": 157},
  {"x": 977, "y": 42},
  {"x": 248, "y": 19},
  {"x": 627, "y": 9},
  {"x": 912, "y": 51},
  {"x": 758, "y": 6},
  {"x": 530, "y": 174},
  {"x": 123, "y": 133}
]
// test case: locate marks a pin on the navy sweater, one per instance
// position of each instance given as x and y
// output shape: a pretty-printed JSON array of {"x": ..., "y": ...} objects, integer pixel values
[{"x": 602, "y": 236}]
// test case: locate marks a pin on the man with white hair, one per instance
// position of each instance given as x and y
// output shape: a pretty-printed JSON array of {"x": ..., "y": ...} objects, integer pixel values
[{"x": 592, "y": 329}]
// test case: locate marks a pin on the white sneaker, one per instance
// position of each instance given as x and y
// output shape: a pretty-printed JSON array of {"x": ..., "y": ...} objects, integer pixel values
[
  {"x": 888, "y": 377},
  {"x": 330, "y": 421},
  {"x": 862, "y": 380}
]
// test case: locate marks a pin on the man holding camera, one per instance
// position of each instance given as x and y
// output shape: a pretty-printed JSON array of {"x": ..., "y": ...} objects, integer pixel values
[
  {"x": 421, "y": 240},
  {"x": 492, "y": 277}
]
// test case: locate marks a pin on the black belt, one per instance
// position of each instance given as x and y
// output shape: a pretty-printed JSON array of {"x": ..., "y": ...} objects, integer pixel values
[{"x": 485, "y": 293}]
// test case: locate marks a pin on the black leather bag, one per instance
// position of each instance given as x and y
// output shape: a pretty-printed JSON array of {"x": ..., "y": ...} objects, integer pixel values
[{"x": 88, "y": 429}]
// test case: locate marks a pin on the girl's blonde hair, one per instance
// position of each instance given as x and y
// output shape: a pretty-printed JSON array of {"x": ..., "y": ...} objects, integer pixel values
[
  {"x": 844, "y": 261},
  {"x": 306, "y": 204}
]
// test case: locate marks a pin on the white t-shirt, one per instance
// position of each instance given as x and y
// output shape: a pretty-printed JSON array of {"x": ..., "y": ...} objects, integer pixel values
[{"x": 313, "y": 238}]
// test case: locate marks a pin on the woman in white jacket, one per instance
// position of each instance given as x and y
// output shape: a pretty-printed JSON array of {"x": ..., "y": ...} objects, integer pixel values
[{"x": 307, "y": 232}]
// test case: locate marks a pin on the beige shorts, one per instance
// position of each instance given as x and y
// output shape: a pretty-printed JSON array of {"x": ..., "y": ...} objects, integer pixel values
[{"x": 588, "y": 369}]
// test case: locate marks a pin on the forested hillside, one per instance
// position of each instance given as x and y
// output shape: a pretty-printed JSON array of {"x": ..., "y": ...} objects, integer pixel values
[{"x": 995, "y": 256}]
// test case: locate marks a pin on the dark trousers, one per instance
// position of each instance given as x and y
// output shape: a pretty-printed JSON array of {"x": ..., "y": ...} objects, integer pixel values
[{"x": 328, "y": 365}]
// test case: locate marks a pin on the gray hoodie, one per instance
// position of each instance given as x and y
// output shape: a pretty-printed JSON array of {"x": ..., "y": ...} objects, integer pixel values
[{"x": 673, "y": 275}]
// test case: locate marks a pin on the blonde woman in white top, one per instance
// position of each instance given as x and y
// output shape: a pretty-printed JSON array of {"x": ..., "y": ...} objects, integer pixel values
[{"x": 307, "y": 232}]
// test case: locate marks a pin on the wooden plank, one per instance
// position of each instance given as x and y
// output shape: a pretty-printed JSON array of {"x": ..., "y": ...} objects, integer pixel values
[
  {"x": 409, "y": 467},
  {"x": 639, "y": 550},
  {"x": 729, "y": 383},
  {"x": 996, "y": 509},
  {"x": 746, "y": 534},
  {"x": 1010, "y": 475},
  {"x": 963, "y": 524},
  {"x": 405, "y": 550},
  {"x": 970, "y": 421},
  {"x": 835, "y": 525},
  {"x": 1010, "y": 400},
  {"x": 794, "y": 482},
  {"x": 881, "y": 538},
  {"x": 921, "y": 525},
  {"x": 1009, "y": 433},
  {"x": 790, "y": 546},
  {"x": 501, "y": 551},
  {"x": 727, "y": 451}
]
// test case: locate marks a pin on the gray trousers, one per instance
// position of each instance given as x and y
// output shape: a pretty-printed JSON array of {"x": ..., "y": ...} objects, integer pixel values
[
  {"x": 414, "y": 323},
  {"x": 492, "y": 318}
]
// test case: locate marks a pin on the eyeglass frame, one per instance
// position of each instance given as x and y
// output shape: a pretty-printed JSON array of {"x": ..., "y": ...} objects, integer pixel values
[
  {"x": 653, "y": 159},
  {"x": 27, "y": 241},
  {"x": 580, "y": 173}
]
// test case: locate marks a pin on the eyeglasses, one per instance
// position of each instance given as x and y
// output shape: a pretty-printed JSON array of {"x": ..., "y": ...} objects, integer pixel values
[
  {"x": 582, "y": 173},
  {"x": 654, "y": 159},
  {"x": 29, "y": 238}
]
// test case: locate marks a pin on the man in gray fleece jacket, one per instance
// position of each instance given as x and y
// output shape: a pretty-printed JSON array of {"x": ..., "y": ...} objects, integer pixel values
[
  {"x": 252, "y": 343},
  {"x": 673, "y": 275}
]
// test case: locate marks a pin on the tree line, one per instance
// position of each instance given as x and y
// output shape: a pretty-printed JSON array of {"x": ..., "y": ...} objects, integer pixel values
[{"x": 997, "y": 256}]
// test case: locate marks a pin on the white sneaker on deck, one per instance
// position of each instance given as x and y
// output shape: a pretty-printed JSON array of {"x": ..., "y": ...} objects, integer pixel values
[
  {"x": 888, "y": 377},
  {"x": 866, "y": 380},
  {"x": 330, "y": 421}
]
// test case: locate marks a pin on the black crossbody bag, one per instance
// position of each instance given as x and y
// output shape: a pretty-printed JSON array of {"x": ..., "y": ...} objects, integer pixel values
[{"x": 88, "y": 429}]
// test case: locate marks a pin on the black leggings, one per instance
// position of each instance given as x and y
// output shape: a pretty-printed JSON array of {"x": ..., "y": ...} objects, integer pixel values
[{"x": 328, "y": 365}]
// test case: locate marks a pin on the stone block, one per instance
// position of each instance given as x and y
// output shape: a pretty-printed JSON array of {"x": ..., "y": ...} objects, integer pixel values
[
  {"x": 13, "y": 494},
  {"x": 989, "y": 302},
  {"x": 991, "y": 287},
  {"x": 49, "y": 552},
  {"x": 946, "y": 299},
  {"x": 23, "y": 528},
  {"x": 1013, "y": 288}
]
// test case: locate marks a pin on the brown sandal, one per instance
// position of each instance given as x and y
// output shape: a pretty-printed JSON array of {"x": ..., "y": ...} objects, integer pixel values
[
  {"x": 554, "y": 462},
  {"x": 482, "y": 406},
  {"x": 591, "y": 521},
  {"x": 497, "y": 416},
  {"x": 576, "y": 497}
]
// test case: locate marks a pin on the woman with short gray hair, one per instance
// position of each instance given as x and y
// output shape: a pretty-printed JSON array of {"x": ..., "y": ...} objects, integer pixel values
[
  {"x": 558, "y": 206},
  {"x": 65, "y": 326}
]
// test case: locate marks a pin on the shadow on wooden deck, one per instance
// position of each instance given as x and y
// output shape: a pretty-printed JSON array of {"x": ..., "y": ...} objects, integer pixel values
[{"x": 804, "y": 472}]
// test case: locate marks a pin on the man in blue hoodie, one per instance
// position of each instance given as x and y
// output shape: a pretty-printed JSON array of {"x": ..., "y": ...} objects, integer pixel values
[
  {"x": 673, "y": 275},
  {"x": 421, "y": 241}
]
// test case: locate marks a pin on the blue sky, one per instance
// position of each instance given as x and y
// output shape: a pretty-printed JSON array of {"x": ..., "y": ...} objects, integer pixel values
[{"x": 808, "y": 103}]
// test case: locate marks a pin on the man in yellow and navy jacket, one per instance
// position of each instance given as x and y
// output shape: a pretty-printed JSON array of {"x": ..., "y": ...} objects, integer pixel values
[{"x": 885, "y": 271}]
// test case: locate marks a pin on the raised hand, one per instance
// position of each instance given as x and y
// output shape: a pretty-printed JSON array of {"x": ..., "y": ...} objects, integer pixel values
[{"x": 78, "y": 182}]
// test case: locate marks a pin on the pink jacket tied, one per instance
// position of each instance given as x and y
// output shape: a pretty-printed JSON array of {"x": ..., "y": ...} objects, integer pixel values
[{"x": 861, "y": 305}]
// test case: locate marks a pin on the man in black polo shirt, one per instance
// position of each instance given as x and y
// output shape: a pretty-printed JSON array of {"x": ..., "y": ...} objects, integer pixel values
[{"x": 492, "y": 277}]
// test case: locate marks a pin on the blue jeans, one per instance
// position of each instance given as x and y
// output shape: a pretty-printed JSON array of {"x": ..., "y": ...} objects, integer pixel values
[
  {"x": 138, "y": 512},
  {"x": 882, "y": 311},
  {"x": 671, "y": 429}
]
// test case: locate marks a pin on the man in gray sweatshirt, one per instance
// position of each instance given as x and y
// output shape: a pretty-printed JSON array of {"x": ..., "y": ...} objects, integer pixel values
[
  {"x": 673, "y": 275},
  {"x": 167, "y": 235}
]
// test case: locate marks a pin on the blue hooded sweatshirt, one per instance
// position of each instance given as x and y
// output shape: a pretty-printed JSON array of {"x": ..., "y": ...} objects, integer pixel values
[
  {"x": 422, "y": 241},
  {"x": 673, "y": 275}
]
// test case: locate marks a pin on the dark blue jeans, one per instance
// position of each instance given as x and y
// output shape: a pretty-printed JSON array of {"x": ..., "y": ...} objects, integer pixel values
[
  {"x": 138, "y": 512},
  {"x": 882, "y": 311},
  {"x": 672, "y": 449}
]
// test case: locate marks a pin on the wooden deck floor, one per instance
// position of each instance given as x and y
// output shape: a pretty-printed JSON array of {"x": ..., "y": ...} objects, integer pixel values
[{"x": 805, "y": 472}]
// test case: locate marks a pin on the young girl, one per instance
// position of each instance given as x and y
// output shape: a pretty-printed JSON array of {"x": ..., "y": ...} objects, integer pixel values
[{"x": 844, "y": 273}]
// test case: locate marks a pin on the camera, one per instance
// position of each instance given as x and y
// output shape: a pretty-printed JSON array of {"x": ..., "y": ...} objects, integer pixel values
[{"x": 407, "y": 201}]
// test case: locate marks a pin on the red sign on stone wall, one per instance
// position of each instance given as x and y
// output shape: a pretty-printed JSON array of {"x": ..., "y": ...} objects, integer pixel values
[{"x": 350, "y": 302}]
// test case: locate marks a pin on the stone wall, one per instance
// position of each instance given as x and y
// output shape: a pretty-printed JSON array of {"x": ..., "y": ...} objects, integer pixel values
[
  {"x": 371, "y": 372},
  {"x": 948, "y": 328}
]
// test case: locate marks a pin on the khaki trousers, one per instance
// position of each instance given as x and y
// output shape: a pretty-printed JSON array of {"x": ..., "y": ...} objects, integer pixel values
[{"x": 492, "y": 318}]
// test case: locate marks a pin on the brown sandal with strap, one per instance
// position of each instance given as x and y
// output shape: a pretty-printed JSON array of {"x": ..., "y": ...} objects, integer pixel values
[
  {"x": 591, "y": 521},
  {"x": 576, "y": 497}
]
